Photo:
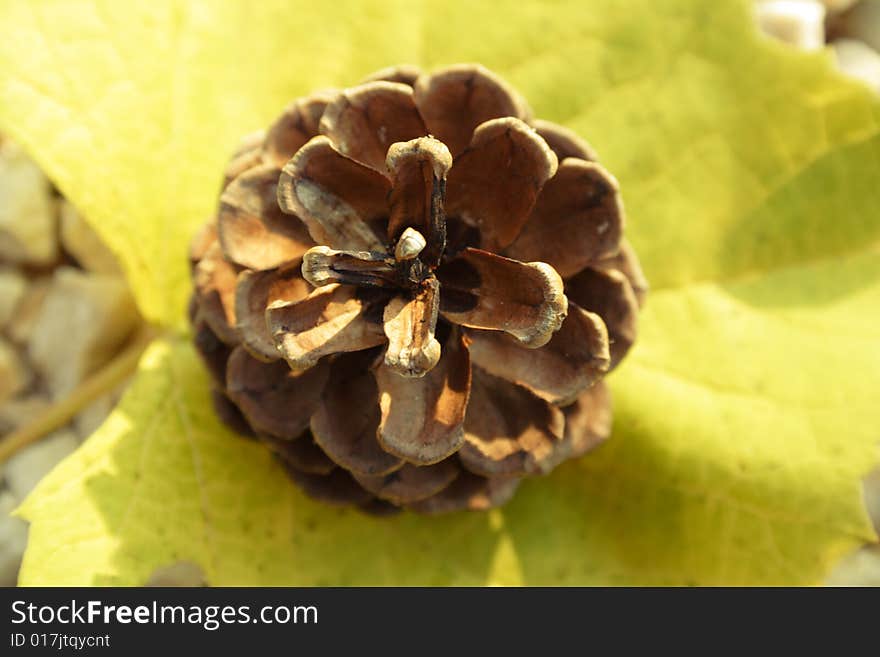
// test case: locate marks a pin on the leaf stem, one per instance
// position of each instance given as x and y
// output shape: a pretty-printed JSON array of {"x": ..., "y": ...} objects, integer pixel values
[{"x": 60, "y": 413}]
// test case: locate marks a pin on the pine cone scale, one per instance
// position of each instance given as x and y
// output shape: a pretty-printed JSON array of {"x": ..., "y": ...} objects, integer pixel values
[
  {"x": 214, "y": 280},
  {"x": 409, "y": 324},
  {"x": 587, "y": 421},
  {"x": 253, "y": 231},
  {"x": 468, "y": 492},
  {"x": 345, "y": 421},
  {"x": 274, "y": 399},
  {"x": 575, "y": 358},
  {"x": 338, "y": 488},
  {"x": 249, "y": 154},
  {"x": 422, "y": 419},
  {"x": 365, "y": 121},
  {"x": 564, "y": 142},
  {"x": 337, "y": 198},
  {"x": 257, "y": 290},
  {"x": 495, "y": 182},
  {"x": 332, "y": 319},
  {"x": 213, "y": 352},
  {"x": 627, "y": 263},
  {"x": 524, "y": 300},
  {"x": 418, "y": 170},
  {"x": 297, "y": 125},
  {"x": 576, "y": 221},
  {"x": 510, "y": 432},
  {"x": 302, "y": 454},
  {"x": 411, "y": 483},
  {"x": 453, "y": 102},
  {"x": 608, "y": 293}
]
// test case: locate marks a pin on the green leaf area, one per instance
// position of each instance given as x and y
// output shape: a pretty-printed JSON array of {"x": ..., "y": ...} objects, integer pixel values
[{"x": 744, "y": 418}]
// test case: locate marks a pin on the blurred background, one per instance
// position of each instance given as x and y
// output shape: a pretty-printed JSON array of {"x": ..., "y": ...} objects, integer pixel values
[{"x": 69, "y": 326}]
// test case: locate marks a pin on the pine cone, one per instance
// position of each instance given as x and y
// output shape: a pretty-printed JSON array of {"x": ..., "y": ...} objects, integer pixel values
[{"x": 412, "y": 291}]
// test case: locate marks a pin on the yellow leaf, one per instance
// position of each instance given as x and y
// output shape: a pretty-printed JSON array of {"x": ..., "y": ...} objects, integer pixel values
[{"x": 744, "y": 418}]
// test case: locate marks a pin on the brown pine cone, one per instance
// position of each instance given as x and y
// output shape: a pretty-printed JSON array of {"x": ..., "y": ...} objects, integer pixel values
[{"x": 412, "y": 292}]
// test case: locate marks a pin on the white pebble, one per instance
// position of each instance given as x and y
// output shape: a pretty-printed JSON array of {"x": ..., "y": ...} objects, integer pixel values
[
  {"x": 799, "y": 23},
  {"x": 18, "y": 412},
  {"x": 12, "y": 287},
  {"x": 82, "y": 323},
  {"x": 13, "y": 538},
  {"x": 862, "y": 23},
  {"x": 21, "y": 323},
  {"x": 14, "y": 374},
  {"x": 861, "y": 568},
  {"x": 837, "y": 6},
  {"x": 27, "y": 213},
  {"x": 859, "y": 61},
  {"x": 83, "y": 243},
  {"x": 27, "y": 467}
]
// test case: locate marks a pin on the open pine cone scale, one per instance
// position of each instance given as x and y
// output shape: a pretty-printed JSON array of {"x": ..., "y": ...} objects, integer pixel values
[{"x": 412, "y": 292}]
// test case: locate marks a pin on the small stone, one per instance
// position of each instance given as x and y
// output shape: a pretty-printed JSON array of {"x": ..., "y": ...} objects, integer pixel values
[
  {"x": 12, "y": 287},
  {"x": 180, "y": 574},
  {"x": 799, "y": 23},
  {"x": 859, "y": 61},
  {"x": 27, "y": 213},
  {"x": 21, "y": 324},
  {"x": 862, "y": 22},
  {"x": 861, "y": 568},
  {"x": 13, "y": 538},
  {"x": 83, "y": 321},
  {"x": 20, "y": 411},
  {"x": 83, "y": 243},
  {"x": 838, "y": 6},
  {"x": 14, "y": 374},
  {"x": 26, "y": 468}
]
